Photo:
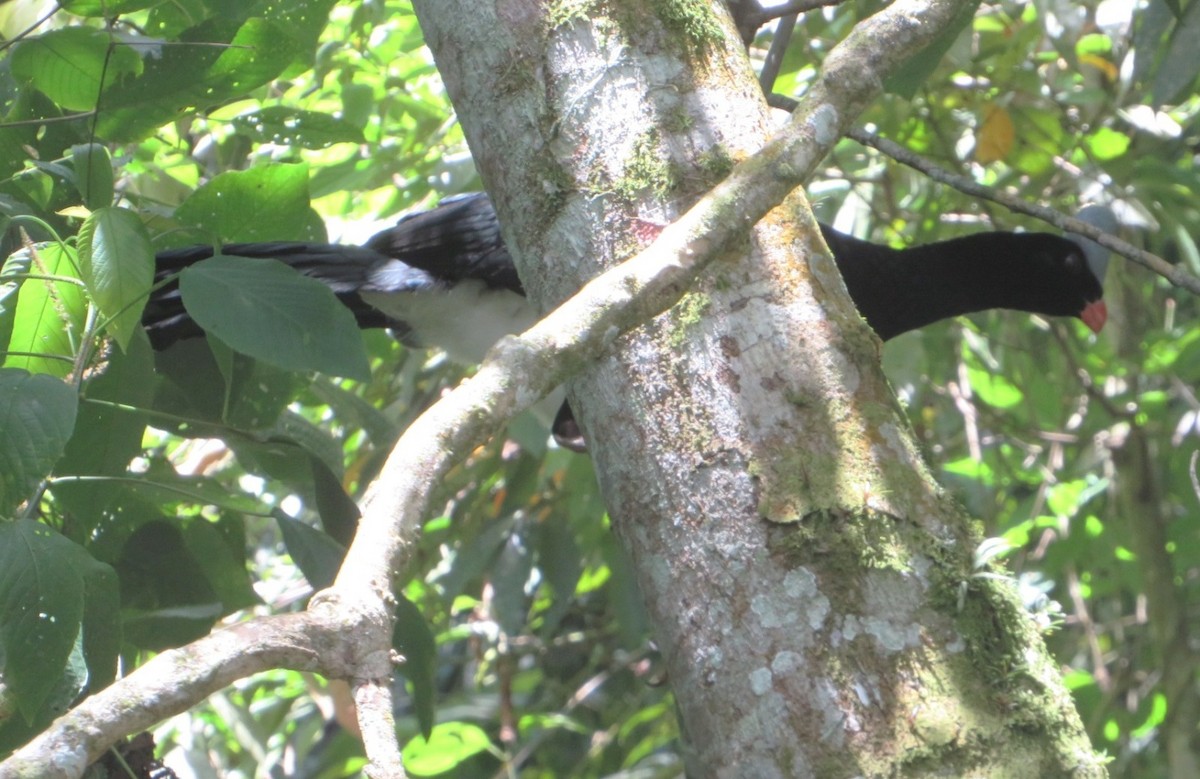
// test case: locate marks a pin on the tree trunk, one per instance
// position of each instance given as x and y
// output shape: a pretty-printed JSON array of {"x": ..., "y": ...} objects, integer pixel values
[{"x": 812, "y": 589}]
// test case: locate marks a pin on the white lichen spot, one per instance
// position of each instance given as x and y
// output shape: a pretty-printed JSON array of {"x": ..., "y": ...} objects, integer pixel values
[
  {"x": 824, "y": 123},
  {"x": 760, "y": 681},
  {"x": 800, "y": 584},
  {"x": 772, "y": 612},
  {"x": 847, "y": 371},
  {"x": 851, "y": 628},
  {"x": 786, "y": 662},
  {"x": 892, "y": 636}
]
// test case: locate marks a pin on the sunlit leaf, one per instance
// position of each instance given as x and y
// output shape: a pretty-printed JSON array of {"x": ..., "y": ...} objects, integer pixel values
[
  {"x": 1106, "y": 143},
  {"x": 49, "y": 314},
  {"x": 67, "y": 64},
  {"x": 448, "y": 746}
]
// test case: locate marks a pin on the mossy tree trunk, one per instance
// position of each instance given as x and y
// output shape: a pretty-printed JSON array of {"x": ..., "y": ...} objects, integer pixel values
[{"x": 812, "y": 589}]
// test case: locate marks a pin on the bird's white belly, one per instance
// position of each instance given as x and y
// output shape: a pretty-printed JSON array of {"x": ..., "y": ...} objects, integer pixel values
[{"x": 463, "y": 320}]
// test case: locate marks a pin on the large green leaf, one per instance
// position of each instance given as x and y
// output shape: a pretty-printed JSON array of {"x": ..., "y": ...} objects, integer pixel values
[
  {"x": 66, "y": 65},
  {"x": 317, "y": 555},
  {"x": 93, "y": 174},
  {"x": 446, "y": 747},
  {"x": 49, "y": 315},
  {"x": 41, "y": 608},
  {"x": 117, "y": 261},
  {"x": 37, "y": 415},
  {"x": 212, "y": 62},
  {"x": 178, "y": 576},
  {"x": 912, "y": 74},
  {"x": 1179, "y": 66},
  {"x": 108, "y": 430},
  {"x": 265, "y": 309},
  {"x": 290, "y": 126},
  {"x": 264, "y": 203}
]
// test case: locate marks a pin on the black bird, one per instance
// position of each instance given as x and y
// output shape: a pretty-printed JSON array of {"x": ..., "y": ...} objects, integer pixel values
[
  {"x": 443, "y": 278},
  {"x": 448, "y": 262}
]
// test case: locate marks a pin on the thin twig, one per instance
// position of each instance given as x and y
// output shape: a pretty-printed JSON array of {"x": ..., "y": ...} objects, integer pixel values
[
  {"x": 1192, "y": 473},
  {"x": 25, "y": 33},
  {"x": 793, "y": 8},
  {"x": 774, "y": 61}
]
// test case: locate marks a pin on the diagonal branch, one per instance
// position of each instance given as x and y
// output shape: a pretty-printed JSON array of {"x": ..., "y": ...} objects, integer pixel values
[{"x": 521, "y": 370}]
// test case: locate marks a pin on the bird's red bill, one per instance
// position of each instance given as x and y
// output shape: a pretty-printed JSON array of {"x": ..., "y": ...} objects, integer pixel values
[{"x": 1094, "y": 315}]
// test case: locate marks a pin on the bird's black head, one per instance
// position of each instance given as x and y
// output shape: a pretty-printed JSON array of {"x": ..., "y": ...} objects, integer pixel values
[{"x": 1059, "y": 278}]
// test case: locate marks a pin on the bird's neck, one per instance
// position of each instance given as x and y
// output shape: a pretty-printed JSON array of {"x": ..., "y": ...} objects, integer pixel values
[{"x": 905, "y": 289}]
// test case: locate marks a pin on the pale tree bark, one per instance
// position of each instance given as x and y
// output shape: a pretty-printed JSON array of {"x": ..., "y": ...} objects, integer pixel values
[{"x": 812, "y": 589}]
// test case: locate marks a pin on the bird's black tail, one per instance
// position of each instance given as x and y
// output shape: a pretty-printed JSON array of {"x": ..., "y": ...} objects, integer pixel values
[{"x": 344, "y": 269}]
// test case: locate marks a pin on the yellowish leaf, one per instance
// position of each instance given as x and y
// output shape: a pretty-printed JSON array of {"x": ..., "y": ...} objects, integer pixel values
[
  {"x": 995, "y": 137},
  {"x": 1099, "y": 63}
]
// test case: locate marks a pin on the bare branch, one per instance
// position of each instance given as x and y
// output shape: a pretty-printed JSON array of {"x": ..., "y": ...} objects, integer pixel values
[
  {"x": 774, "y": 61},
  {"x": 175, "y": 680},
  {"x": 795, "y": 7}
]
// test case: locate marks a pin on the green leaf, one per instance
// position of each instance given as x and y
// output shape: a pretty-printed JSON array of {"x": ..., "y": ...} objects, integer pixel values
[
  {"x": 264, "y": 203},
  {"x": 105, "y": 9},
  {"x": 107, "y": 438},
  {"x": 49, "y": 314},
  {"x": 41, "y": 609},
  {"x": 93, "y": 174},
  {"x": 74, "y": 680},
  {"x": 447, "y": 746},
  {"x": 993, "y": 388},
  {"x": 971, "y": 469},
  {"x": 265, "y": 309},
  {"x": 1095, "y": 43},
  {"x": 916, "y": 71},
  {"x": 37, "y": 415},
  {"x": 168, "y": 597},
  {"x": 413, "y": 639},
  {"x": 317, "y": 555},
  {"x": 118, "y": 266},
  {"x": 1041, "y": 135},
  {"x": 1107, "y": 144},
  {"x": 211, "y": 63},
  {"x": 101, "y": 621},
  {"x": 1152, "y": 23},
  {"x": 1154, "y": 718},
  {"x": 1179, "y": 66},
  {"x": 509, "y": 576},
  {"x": 339, "y": 513},
  {"x": 293, "y": 127},
  {"x": 558, "y": 558},
  {"x": 66, "y": 65}
]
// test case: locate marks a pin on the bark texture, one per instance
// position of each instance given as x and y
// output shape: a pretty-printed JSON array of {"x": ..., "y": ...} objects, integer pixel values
[{"x": 812, "y": 589}]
